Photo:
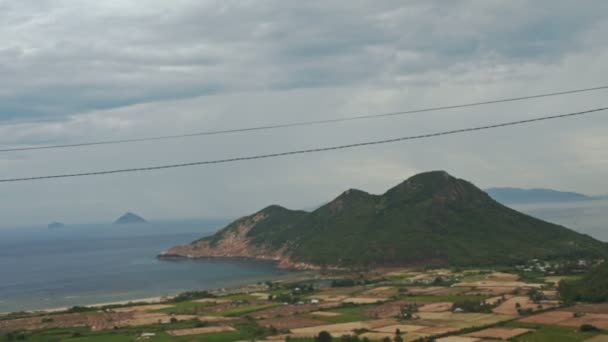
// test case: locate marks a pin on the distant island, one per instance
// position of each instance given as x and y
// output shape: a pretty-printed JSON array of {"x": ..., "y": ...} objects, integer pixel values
[
  {"x": 523, "y": 196},
  {"x": 130, "y": 218},
  {"x": 430, "y": 219},
  {"x": 55, "y": 225}
]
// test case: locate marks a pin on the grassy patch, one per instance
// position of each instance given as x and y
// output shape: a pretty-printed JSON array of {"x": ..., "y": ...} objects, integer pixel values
[
  {"x": 189, "y": 308},
  {"x": 184, "y": 308},
  {"x": 241, "y": 296},
  {"x": 245, "y": 309},
  {"x": 227, "y": 336},
  {"x": 346, "y": 315},
  {"x": 243, "y": 332}
]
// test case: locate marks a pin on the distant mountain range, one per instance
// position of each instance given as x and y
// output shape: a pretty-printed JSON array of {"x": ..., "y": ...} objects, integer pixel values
[
  {"x": 130, "y": 218},
  {"x": 431, "y": 218},
  {"x": 518, "y": 195}
]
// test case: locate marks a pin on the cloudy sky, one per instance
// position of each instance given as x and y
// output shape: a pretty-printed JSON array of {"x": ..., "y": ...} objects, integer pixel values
[{"x": 76, "y": 71}]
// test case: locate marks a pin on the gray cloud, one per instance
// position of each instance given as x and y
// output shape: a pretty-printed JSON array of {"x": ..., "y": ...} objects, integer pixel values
[
  {"x": 88, "y": 70},
  {"x": 120, "y": 53}
]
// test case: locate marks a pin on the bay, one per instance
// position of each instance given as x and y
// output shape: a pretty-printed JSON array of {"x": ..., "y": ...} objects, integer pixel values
[{"x": 101, "y": 263}]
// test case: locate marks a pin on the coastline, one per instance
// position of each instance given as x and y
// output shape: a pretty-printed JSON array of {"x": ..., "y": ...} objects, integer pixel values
[
  {"x": 241, "y": 287},
  {"x": 283, "y": 263},
  {"x": 149, "y": 300}
]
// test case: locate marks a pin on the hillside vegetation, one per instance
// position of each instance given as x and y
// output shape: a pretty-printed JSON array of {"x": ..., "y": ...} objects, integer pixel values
[
  {"x": 593, "y": 287},
  {"x": 431, "y": 218}
]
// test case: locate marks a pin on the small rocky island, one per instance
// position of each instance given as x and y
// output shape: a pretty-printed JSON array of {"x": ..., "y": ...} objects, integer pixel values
[
  {"x": 130, "y": 218},
  {"x": 55, "y": 225}
]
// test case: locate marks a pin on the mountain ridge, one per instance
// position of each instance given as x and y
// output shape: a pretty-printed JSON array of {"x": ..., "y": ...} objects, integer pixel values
[{"x": 431, "y": 217}]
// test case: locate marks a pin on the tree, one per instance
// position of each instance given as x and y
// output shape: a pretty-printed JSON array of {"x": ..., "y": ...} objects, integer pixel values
[
  {"x": 324, "y": 336},
  {"x": 593, "y": 287},
  {"x": 536, "y": 295},
  {"x": 398, "y": 337},
  {"x": 472, "y": 306}
]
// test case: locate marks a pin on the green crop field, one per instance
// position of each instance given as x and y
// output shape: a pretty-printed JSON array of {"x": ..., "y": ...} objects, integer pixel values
[
  {"x": 346, "y": 314},
  {"x": 184, "y": 308}
]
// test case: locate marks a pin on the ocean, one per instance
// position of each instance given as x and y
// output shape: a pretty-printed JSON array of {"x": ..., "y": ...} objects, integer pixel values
[
  {"x": 587, "y": 217},
  {"x": 100, "y": 263},
  {"x": 88, "y": 264}
]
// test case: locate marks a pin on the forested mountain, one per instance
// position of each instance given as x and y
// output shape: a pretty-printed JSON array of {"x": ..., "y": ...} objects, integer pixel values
[{"x": 432, "y": 217}]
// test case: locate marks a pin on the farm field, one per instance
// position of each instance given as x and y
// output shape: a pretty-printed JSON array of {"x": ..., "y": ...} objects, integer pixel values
[{"x": 419, "y": 305}]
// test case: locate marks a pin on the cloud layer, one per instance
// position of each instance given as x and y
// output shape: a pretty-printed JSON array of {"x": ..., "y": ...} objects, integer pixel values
[{"x": 87, "y": 70}]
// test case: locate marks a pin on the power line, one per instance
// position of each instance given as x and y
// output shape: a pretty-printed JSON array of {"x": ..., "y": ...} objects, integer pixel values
[
  {"x": 295, "y": 124},
  {"x": 313, "y": 150}
]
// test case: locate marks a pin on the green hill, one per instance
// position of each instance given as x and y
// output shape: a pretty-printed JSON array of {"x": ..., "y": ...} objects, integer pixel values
[{"x": 430, "y": 218}]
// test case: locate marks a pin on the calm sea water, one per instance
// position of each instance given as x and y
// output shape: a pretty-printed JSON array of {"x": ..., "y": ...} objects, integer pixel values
[
  {"x": 87, "y": 264},
  {"x": 588, "y": 217}
]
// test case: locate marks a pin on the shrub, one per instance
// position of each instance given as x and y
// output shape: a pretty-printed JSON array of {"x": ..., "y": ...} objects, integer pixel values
[
  {"x": 191, "y": 295},
  {"x": 324, "y": 336},
  {"x": 588, "y": 328}
]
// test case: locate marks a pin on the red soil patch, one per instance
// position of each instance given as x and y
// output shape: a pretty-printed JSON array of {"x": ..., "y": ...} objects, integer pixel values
[
  {"x": 566, "y": 318},
  {"x": 436, "y": 307},
  {"x": 379, "y": 323},
  {"x": 499, "y": 333},
  {"x": 508, "y": 307},
  {"x": 589, "y": 308},
  {"x": 95, "y": 320},
  {"x": 552, "y": 317},
  {"x": 198, "y": 331},
  {"x": 388, "y": 310},
  {"x": 598, "y": 320},
  {"x": 437, "y": 330}
]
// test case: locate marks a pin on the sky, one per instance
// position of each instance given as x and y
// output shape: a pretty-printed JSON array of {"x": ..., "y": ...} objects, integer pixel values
[{"x": 78, "y": 71}]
